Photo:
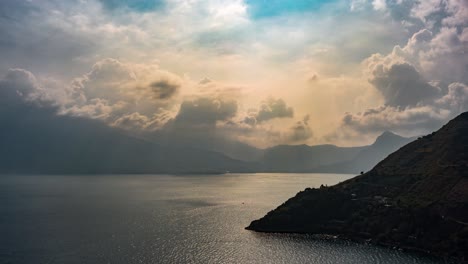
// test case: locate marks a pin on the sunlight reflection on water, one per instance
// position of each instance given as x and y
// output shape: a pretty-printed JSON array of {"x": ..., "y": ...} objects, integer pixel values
[{"x": 164, "y": 219}]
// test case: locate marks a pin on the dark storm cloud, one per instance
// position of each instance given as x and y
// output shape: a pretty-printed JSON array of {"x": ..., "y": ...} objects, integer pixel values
[
  {"x": 196, "y": 122},
  {"x": 34, "y": 139},
  {"x": 206, "y": 111},
  {"x": 274, "y": 108},
  {"x": 402, "y": 85},
  {"x": 17, "y": 90},
  {"x": 164, "y": 89}
]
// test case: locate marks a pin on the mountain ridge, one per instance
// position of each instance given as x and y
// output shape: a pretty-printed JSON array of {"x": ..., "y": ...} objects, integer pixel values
[
  {"x": 328, "y": 158},
  {"x": 72, "y": 145},
  {"x": 35, "y": 138},
  {"x": 415, "y": 198}
]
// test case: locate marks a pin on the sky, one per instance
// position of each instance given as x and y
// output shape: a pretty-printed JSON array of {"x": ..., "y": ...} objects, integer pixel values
[{"x": 255, "y": 71}]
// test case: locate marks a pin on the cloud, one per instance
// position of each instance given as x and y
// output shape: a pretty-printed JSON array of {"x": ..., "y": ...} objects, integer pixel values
[
  {"x": 379, "y": 4},
  {"x": 138, "y": 98},
  {"x": 269, "y": 109},
  {"x": 438, "y": 14},
  {"x": 415, "y": 15},
  {"x": 273, "y": 108},
  {"x": 437, "y": 48},
  {"x": 225, "y": 41},
  {"x": 263, "y": 9},
  {"x": 205, "y": 81},
  {"x": 23, "y": 82},
  {"x": 29, "y": 39},
  {"x": 36, "y": 139},
  {"x": 205, "y": 111},
  {"x": 401, "y": 85},
  {"x": 423, "y": 83},
  {"x": 20, "y": 87},
  {"x": 198, "y": 122},
  {"x": 120, "y": 92},
  {"x": 164, "y": 89},
  {"x": 459, "y": 12},
  {"x": 250, "y": 120},
  {"x": 411, "y": 120},
  {"x": 456, "y": 99},
  {"x": 143, "y": 122},
  {"x": 300, "y": 132},
  {"x": 207, "y": 118}
]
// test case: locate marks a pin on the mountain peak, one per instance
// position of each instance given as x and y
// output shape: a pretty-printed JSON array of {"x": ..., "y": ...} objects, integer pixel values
[
  {"x": 388, "y": 137},
  {"x": 415, "y": 198},
  {"x": 388, "y": 133}
]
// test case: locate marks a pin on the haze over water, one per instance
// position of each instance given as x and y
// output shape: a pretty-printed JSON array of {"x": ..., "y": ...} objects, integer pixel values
[{"x": 164, "y": 219}]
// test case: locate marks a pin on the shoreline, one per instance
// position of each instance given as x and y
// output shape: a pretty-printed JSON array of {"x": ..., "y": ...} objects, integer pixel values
[{"x": 366, "y": 241}]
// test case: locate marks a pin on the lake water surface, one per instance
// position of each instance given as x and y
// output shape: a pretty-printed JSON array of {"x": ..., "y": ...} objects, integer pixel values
[{"x": 164, "y": 219}]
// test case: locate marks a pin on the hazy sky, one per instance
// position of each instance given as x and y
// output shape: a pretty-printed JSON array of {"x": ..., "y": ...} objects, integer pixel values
[{"x": 262, "y": 72}]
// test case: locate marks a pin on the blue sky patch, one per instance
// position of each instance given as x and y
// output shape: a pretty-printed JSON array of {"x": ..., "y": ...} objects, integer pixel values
[
  {"x": 271, "y": 8},
  {"x": 136, "y": 5}
]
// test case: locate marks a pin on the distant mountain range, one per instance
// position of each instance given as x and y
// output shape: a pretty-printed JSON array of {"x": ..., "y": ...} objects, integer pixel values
[
  {"x": 81, "y": 146},
  {"x": 304, "y": 158},
  {"x": 45, "y": 143},
  {"x": 34, "y": 139},
  {"x": 415, "y": 198},
  {"x": 368, "y": 156}
]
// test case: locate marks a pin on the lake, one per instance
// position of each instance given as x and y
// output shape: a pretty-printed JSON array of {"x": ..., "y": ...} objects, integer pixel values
[{"x": 165, "y": 219}]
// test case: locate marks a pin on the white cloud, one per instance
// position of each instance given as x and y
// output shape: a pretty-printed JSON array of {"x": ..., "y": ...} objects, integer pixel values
[
  {"x": 424, "y": 83},
  {"x": 160, "y": 52},
  {"x": 407, "y": 121},
  {"x": 113, "y": 90},
  {"x": 379, "y": 4}
]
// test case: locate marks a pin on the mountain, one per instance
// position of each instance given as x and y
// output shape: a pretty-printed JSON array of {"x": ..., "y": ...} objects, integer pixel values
[
  {"x": 415, "y": 198},
  {"x": 45, "y": 143},
  {"x": 330, "y": 158},
  {"x": 36, "y": 138},
  {"x": 216, "y": 143},
  {"x": 237, "y": 150},
  {"x": 369, "y": 156},
  {"x": 304, "y": 158},
  {"x": 292, "y": 158}
]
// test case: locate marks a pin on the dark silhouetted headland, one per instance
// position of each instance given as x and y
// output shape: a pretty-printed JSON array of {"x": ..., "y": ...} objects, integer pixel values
[{"x": 415, "y": 198}]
